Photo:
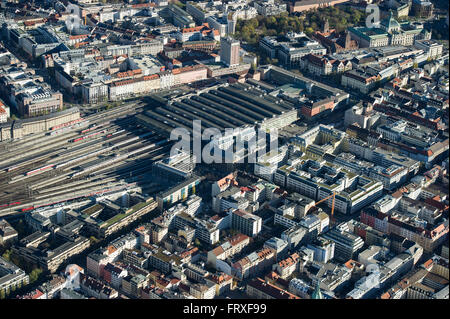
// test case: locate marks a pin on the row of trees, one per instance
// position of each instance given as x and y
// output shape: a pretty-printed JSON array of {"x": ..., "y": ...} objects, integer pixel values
[
  {"x": 251, "y": 30},
  {"x": 34, "y": 272},
  {"x": 34, "y": 275}
]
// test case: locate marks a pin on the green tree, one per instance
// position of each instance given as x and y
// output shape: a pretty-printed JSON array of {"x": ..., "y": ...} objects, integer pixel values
[
  {"x": 34, "y": 275},
  {"x": 309, "y": 30},
  {"x": 340, "y": 27},
  {"x": 356, "y": 16},
  {"x": 253, "y": 23},
  {"x": 7, "y": 255},
  {"x": 271, "y": 20}
]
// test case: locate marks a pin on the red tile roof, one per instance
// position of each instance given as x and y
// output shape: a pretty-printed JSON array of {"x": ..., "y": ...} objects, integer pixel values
[
  {"x": 428, "y": 264},
  {"x": 196, "y": 29},
  {"x": 218, "y": 251}
]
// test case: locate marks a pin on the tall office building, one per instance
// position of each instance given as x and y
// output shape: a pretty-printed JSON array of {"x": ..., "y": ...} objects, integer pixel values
[
  {"x": 246, "y": 223},
  {"x": 347, "y": 244},
  {"x": 229, "y": 51}
]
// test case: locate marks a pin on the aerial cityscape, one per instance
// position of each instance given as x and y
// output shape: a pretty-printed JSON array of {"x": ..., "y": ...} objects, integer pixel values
[{"x": 224, "y": 149}]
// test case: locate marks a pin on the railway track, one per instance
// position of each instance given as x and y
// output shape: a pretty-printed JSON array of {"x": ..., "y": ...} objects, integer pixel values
[{"x": 39, "y": 170}]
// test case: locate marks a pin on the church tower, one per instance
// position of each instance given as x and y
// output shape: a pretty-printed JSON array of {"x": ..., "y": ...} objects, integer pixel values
[
  {"x": 348, "y": 40},
  {"x": 326, "y": 27}
]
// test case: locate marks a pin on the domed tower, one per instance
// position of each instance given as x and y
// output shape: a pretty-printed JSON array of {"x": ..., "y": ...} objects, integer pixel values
[{"x": 390, "y": 24}]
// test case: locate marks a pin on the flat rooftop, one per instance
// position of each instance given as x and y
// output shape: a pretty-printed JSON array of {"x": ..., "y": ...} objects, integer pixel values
[{"x": 223, "y": 107}]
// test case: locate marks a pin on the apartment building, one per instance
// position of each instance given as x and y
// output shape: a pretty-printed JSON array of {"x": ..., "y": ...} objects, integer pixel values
[
  {"x": 323, "y": 65},
  {"x": 247, "y": 223},
  {"x": 222, "y": 282},
  {"x": 51, "y": 260},
  {"x": 7, "y": 232},
  {"x": 11, "y": 277},
  {"x": 113, "y": 275},
  {"x": 328, "y": 276},
  {"x": 95, "y": 288},
  {"x": 359, "y": 80},
  {"x": 229, "y": 248},
  {"x": 294, "y": 235},
  {"x": 178, "y": 192},
  {"x": 422, "y": 8},
  {"x": 202, "y": 291},
  {"x": 203, "y": 230},
  {"x": 287, "y": 266},
  {"x": 202, "y": 32},
  {"x": 391, "y": 177},
  {"x": 279, "y": 246},
  {"x": 268, "y": 8},
  {"x": 3, "y": 114},
  {"x": 323, "y": 249},
  {"x": 429, "y": 237},
  {"x": 254, "y": 264},
  {"x": 164, "y": 261},
  {"x": 189, "y": 74},
  {"x": 125, "y": 88},
  {"x": 98, "y": 259},
  {"x": 132, "y": 285},
  {"x": 347, "y": 244},
  {"x": 28, "y": 93},
  {"x": 230, "y": 199},
  {"x": 306, "y": 5},
  {"x": 433, "y": 49},
  {"x": 289, "y": 49},
  {"x": 229, "y": 51},
  {"x": 362, "y": 114},
  {"x": 260, "y": 289}
]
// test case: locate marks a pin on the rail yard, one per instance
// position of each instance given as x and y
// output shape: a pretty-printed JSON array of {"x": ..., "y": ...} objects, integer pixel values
[
  {"x": 114, "y": 149},
  {"x": 99, "y": 153}
]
